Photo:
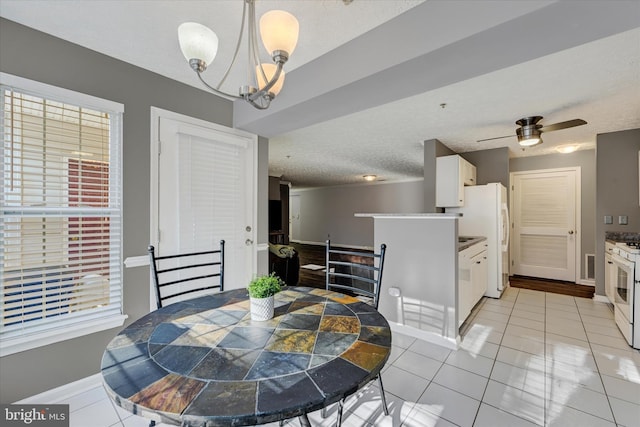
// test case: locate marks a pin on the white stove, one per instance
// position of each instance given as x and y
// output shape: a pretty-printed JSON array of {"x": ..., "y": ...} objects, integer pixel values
[
  {"x": 626, "y": 283},
  {"x": 630, "y": 248}
]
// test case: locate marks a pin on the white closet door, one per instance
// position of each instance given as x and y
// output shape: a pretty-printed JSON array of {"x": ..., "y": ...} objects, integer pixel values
[
  {"x": 544, "y": 238},
  {"x": 206, "y": 192}
]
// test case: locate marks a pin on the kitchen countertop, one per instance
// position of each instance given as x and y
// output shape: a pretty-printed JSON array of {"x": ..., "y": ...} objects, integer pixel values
[
  {"x": 468, "y": 243},
  {"x": 621, "y": 236},
  {"x": 409, "y": 215}
]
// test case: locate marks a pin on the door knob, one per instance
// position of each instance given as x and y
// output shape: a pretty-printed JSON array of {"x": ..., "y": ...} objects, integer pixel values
[
  {"x": 248, "y": 242},
  {"x": 570, "y": 231}
]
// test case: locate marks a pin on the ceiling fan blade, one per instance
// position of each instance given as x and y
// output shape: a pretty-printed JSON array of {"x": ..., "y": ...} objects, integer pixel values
[
  {"x": 563, "y": 125},
  {"x": 497, "y": 137}
]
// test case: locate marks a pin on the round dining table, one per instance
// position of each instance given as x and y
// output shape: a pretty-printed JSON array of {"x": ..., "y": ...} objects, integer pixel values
[{"x": 204, "y": 362}]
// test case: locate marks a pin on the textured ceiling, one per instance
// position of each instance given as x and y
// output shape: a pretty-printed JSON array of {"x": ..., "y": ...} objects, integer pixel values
[
  {"x": 593, "y": 82},
  {"x": 365, "y": 85}
]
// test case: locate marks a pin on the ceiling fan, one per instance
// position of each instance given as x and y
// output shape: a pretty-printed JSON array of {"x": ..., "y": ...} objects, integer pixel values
[{"x": 530, "y": 132}]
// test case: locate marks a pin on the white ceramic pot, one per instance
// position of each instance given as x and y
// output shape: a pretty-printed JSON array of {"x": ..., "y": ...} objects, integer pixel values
[{"x": 262, "y": 308}]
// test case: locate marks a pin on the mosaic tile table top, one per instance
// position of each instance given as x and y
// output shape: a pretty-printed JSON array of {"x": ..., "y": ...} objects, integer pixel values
[{"x": 204, "y": 362}]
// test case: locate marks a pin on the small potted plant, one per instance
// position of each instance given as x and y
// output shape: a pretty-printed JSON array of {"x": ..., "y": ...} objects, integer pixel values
[{"x": 261, "y": 292}]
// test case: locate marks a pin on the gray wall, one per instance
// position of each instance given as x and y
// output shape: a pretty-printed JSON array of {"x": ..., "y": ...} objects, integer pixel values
[
  {"x": 330, "y": 211},
  {"x": 37, "y": 56},
  {"x": 586, "y": 159},
  {"x": 617, "y": 189}
]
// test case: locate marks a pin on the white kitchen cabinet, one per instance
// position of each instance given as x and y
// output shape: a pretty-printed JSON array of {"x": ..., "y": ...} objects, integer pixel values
[
  {"x": 452, "y": 174},
  {"x": 472, "y": 278}
]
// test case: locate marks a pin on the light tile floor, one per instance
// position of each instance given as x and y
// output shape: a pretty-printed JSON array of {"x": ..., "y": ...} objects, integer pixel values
[{"x": 530, "y": 358}]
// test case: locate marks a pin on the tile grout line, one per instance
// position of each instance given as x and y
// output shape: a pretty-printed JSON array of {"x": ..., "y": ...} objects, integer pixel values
[
  {"x": 494, "y": 361},
  {"x": 598, "y": 367},
  {"x": 493, "y": 366},
  {"x": 577, "y": 306}
]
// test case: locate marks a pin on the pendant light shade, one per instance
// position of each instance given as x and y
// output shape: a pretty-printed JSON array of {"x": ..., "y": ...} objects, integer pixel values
[
  {"x": 197, "y": 42},
  {"x": 279, "y": 31},
  {"x": 269, "y": 70}
]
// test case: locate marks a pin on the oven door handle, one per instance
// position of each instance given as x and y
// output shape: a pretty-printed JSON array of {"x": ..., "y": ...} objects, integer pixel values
[{"x": 624, "y": 263}]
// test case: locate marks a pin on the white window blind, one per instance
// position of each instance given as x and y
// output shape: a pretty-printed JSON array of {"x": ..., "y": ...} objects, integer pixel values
[
  {"x": 60, "y": 223},
  {"x": 209, "y": 184}
]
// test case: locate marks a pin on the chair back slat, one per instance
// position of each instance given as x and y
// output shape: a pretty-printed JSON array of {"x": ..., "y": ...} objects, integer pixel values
[
  {"x": 194, "y": 267},
  {"x": 356, "y": 273}
]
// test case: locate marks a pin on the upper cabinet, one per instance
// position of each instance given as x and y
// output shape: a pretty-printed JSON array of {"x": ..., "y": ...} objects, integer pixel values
[{"x": 452, "y": 174}]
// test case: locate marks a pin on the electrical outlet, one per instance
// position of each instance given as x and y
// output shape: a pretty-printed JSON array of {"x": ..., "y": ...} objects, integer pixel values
[
  {"x": 623, "y": 220},
  {"x": 608, "y": 219}
]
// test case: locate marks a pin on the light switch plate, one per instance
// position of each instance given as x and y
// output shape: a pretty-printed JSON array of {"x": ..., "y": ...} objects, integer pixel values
[
  {"x": 623, "y": 220},
  {"x": 608, "y": 219}
]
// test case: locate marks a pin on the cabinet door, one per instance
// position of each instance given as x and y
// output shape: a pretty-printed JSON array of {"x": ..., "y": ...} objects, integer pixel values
[
  {"x": 479, "y": 277},
  {"x": 465, "y": 290},
  {"x": 448, "y": 183},
  {"x": 452, "y": 174},
  {"x": 469, "y": 172}
]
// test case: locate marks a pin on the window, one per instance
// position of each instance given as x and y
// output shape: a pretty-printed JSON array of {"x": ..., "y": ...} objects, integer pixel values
[{"x": 60, "y": 215}]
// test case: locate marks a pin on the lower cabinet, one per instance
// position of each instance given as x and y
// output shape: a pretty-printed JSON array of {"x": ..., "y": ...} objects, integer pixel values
[{"x": 472, "y": 278}]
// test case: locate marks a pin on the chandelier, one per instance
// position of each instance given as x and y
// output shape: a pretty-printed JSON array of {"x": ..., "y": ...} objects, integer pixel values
[{"x": 279, "y": 34}]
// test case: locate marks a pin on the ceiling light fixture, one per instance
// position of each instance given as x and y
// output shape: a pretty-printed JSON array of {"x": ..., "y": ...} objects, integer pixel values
[
  {"x": 279, "y": 34},
  {"x": 529, "y": 131},
  {"x": 369, "y": 177},
  {"x": 566, "y": 149}
]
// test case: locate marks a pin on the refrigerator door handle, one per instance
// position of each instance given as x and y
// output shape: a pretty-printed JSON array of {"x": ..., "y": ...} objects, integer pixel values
[{"x": 505, "y": 227}]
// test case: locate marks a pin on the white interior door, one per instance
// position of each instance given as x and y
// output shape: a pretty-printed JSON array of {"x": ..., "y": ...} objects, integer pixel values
[
  {"x": 545, "y": 235},
  {"x": 294, "y": 216},
  {"x": 205, "y": 192}
]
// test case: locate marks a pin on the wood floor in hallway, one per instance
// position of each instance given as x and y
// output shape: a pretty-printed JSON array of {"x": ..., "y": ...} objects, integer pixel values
[{"x": 554, "y": 286}]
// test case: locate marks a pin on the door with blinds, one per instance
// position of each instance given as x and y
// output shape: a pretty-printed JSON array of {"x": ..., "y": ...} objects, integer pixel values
[
  {"x": 545, "y": 234},
  {"x": 205, "y": 193}
]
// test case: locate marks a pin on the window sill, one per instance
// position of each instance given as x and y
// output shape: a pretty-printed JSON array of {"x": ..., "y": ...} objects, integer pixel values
[{"x": 40, "y": 339}]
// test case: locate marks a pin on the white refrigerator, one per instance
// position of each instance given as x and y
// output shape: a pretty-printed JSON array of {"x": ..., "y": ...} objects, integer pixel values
[{"x": 486, "y": 213}]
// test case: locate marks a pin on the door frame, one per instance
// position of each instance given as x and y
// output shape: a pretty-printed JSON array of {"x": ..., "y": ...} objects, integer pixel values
[
  {"x": 156, "y": 115},
  {"x": 578, "y": 213}
]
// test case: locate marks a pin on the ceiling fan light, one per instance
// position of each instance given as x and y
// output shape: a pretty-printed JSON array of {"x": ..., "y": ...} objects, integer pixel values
[
  {"x": 269, "y": 71},
  {"x": 369, "y": 177},
  {"x": 530, "y": 141},
  {"x": 197, "y": 42},
  {"x": 279, "y": 31}
]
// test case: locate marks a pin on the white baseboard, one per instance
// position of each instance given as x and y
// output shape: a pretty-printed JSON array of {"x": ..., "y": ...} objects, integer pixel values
[
  {"x": 432, "y": 337},
  {"x": 136, "y": 261},
  {"x": 64, "y": 392},
  {"x": 586, "y": 282},
  {"x": 601, "y": 298}
]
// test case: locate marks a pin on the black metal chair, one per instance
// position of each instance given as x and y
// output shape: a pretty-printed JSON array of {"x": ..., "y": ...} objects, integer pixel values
[
  {"x": 358, "y": 274},
  {"x": 171, "y": 272}
]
